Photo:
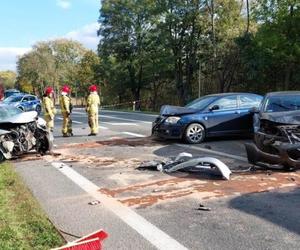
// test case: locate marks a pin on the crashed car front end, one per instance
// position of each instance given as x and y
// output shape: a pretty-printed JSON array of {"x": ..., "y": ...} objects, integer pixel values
[
  {"x": 277, "y": 141},
  {"x": 168, "y": 124},
  {"x": 21, "y": 133}
]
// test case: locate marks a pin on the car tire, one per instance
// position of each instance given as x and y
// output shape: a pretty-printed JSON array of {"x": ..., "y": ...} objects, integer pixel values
[
  {"x": 2, "y": 158},
  {"x": 38, "y": 109},
  {"x": 21, "y": 108},
  {"x": 194, "y": 133}
]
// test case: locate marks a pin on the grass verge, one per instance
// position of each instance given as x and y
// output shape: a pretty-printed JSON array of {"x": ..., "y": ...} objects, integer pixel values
[{"x": 23, "y": 224}]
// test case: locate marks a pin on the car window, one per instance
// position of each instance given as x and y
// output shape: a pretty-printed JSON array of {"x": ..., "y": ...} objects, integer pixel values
[
  {"x": 201, "y": 102},
  {"x": 228, "y": 102},
  {"x": 282, "y": 103},
  {"x": 25, "y": 99},
  {"x": 250, "y": 101},
  {"x": 31, "y": 98}
]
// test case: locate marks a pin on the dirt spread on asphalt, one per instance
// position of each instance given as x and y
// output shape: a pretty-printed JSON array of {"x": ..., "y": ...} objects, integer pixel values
[
  {"x": 143, "y": 190},
  {"x": 132, "y": 142},
  {"x": 90, "y": 161},
  {"x": 147, "y": 194}
]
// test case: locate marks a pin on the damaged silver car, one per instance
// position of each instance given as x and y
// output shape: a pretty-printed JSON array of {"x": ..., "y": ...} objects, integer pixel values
[
  {"x": 277, "y": 131},
  {"x": 22, "y": 132}
]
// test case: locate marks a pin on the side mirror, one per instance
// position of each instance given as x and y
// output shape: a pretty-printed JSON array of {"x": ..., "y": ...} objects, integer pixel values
[
  {"x": 254, "y": 110},
  {"x": 215, "y": 107}
]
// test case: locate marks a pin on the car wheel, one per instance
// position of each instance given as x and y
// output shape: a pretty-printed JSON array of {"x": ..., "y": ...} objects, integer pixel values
[
  {"x": 195, "y": 133},
  {"x": 38, "y": 109}
]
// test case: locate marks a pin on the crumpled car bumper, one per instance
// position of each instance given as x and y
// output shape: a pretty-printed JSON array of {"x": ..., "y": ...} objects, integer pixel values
[
  {"x": 161, "y": 130},
  {"x": 256, "y": 156}
]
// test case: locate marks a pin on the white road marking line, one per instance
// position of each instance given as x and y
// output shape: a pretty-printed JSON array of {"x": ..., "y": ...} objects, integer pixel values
[
  {"x": 120, "y": 123},
  {"x": 116, "y": 118},
  {"x": 77, "y": 122},
  {"x": 124, "y": 119},
  {"x": 153, "y": 234},
  {"x": 133, "y": 134},
  {"x": 236, "y": 157},
  {"x": 127, "y": 112},
  {"x": 120, "y": 112},
  {"x": 102, "y": 127}
]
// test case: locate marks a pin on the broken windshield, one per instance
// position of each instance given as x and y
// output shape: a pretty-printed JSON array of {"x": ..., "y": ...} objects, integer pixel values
[
  {"x": 7, "y": 112},
  {"x": 282, "y": 103}
]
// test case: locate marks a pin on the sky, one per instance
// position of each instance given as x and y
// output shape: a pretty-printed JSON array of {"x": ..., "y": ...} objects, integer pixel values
[{"x": 25, "y": 22}]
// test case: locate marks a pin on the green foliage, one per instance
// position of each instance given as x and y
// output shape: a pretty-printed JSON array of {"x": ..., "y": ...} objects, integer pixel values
[
  {"x": 8, "y": 78},
  {"x": 152, "y": 49},
  {"x": 169, "y": 51},
  {"x": 53, "y": 63},
  {"x": 87, "y": 72},
  {"x": 271, "y": 56}
]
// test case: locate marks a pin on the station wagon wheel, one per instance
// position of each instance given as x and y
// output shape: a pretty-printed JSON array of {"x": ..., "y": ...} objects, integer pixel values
[{"x": 195, "y": 133}]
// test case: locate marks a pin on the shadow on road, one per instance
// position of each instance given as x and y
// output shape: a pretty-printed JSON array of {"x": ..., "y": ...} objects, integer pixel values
[{"x": 281, "y": 208}]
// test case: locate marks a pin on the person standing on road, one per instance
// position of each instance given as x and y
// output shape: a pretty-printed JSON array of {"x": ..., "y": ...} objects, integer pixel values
[
  {"x": 92, "y": 108},
  {"x": 66, "y": 109},
  {"x": 49, "y": 108}
]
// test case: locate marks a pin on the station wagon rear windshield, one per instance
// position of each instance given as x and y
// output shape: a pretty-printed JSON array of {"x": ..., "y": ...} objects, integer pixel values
[{"x": 282, "y": 103}]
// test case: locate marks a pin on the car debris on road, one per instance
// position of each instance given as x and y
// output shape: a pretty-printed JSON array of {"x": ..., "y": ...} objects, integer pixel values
[
  {"x": 95, "y": 202},
  {"x": 186, "y": 162},
  {"x": 203, "y": 208}
]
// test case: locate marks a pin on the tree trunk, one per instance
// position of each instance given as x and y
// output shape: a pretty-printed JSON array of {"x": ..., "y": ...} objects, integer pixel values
[
  {"x": 248, "y": 16},
  {"x": 288, "y": 70},
  {"x": 179, "y": 81}
]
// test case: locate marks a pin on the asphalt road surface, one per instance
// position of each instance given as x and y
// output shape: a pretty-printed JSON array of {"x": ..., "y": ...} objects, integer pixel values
[{"x": 153, "y": 210}]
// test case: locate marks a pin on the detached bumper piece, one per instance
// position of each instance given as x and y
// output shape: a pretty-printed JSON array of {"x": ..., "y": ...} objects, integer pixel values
[
  {"x": 283, "y": 158},
  {"x": 186, "y": 162}
]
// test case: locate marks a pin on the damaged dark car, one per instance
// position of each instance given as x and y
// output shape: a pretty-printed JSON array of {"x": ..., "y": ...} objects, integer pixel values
[
  {"x": 212, "y": 115},
  {"x": 277, "y": 132},
  {"x": 22, "y": 132}
]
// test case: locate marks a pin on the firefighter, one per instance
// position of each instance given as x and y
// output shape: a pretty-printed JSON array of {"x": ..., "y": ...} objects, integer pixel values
[
  {"x": 49, "y": 108},
  {"x": 66, "y": 109},
  {"x": 93, "y": 102}
]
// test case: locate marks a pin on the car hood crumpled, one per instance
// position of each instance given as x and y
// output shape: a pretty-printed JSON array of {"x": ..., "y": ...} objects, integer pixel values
[
  {"x": 21, "y": 118},
  {"x": 290, "y": 117},
  {"x": 169, "y": 110}
]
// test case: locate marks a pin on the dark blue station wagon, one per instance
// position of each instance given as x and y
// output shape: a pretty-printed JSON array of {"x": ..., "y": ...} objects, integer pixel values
[{"x": 208, "y": 116}]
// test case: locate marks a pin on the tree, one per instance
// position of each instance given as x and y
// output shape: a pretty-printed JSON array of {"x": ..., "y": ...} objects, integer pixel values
[
  {"x": 51, "y": 63},
  {"x": 272, "y": 54},
  {"x": 153, "y": 50},
  {"x": 8, "y": 78},
  {"x": 87, "y": 72},
  {"x": 126, "y": 28},
  {"x": 182, "y": 28}
]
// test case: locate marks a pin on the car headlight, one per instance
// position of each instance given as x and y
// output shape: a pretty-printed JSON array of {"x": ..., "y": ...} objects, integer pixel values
[{"x": 172, "y": 119}]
